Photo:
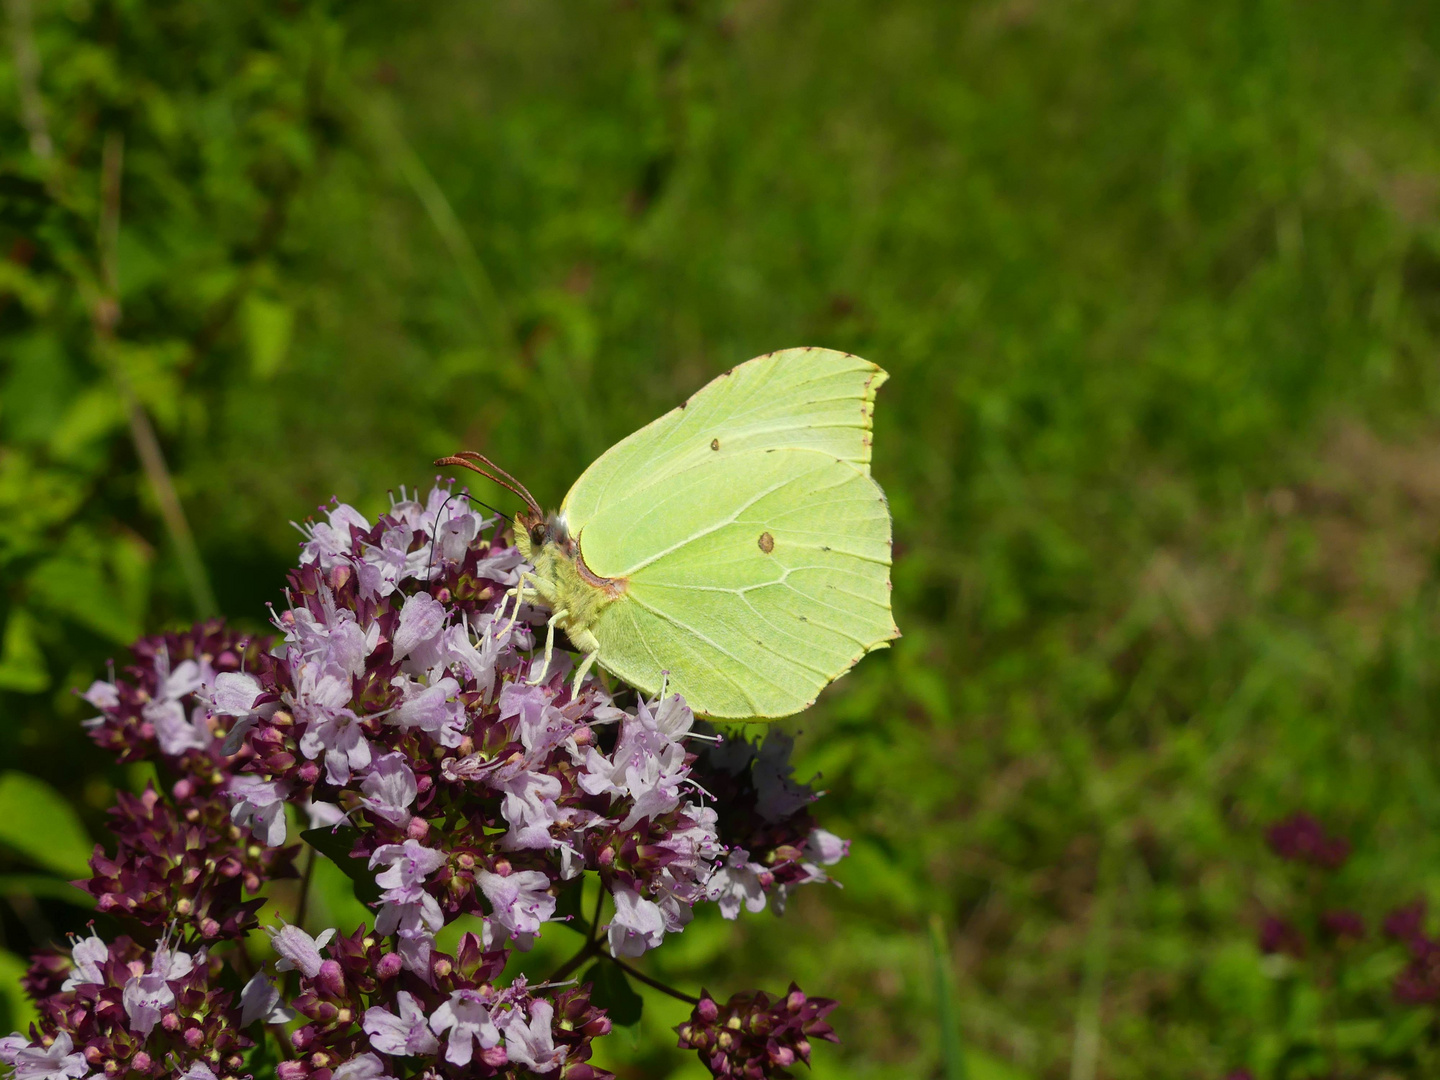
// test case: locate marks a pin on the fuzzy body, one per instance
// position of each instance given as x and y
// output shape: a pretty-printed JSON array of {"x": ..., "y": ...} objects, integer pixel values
[{"x": 560, "y": 584}]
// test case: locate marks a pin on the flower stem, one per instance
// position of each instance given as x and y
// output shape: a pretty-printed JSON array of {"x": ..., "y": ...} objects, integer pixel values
[
  {"x": 590, "y": 949},
  {"x": 105, "y": 315},
  {"x": 648, "y": 981},
  {"x": 595, "y": 919},
  {"x": 303, "y": 904}
]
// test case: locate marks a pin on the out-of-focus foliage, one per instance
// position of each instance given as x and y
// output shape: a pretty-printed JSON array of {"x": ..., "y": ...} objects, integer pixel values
[{"x": 1158, "y": 285}]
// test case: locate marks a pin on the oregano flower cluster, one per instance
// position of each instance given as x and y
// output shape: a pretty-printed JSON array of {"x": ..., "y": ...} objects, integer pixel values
[{"x": 397, "y": 712}]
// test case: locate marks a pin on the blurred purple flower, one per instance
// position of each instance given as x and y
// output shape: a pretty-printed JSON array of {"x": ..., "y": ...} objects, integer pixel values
[
  {"x": 1281, "y": 936},
  {"x": 1301, "y": 838}
]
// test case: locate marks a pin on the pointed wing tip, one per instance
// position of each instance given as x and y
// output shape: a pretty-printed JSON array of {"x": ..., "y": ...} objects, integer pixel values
[{"x": 878, "y": 374}]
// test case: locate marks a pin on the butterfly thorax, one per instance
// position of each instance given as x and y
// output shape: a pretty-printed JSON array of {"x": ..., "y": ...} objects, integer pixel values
[{"x": 562, "y": 578}]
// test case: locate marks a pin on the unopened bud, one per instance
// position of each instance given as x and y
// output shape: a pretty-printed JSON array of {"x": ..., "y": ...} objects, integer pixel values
[
  {"x": 495, "y": 1057},
  {"x": 330, "y": 980}
]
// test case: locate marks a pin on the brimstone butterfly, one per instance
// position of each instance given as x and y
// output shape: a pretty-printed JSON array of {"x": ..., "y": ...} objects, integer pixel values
[{"x": 736, "y": 550}]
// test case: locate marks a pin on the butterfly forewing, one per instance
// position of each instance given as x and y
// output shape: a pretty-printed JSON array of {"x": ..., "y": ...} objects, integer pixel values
[{"x": 815, "y": 399}]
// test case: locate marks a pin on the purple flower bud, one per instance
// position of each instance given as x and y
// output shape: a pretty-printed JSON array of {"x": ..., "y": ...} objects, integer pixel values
[
  {"x": 1343, "y": 924},
  {"x": 1301, "y": 838},
  {"x": 1407, "y": 922},
  {"x": 752, "y": 1033},
  {"x": 331, "y": 980},
  {"x": 1279, "y": 936}
]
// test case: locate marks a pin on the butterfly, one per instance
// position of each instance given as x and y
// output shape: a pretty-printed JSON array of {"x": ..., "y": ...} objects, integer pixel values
[{"x": 736, "y": 550}]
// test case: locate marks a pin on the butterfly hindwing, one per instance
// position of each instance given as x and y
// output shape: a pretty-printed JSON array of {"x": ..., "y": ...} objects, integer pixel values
[{"x": 754, "y": 578}]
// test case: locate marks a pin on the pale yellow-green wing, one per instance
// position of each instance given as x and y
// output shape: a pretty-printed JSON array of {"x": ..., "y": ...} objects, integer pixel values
[
  {"x": 754, "y": 578},
  {"x": 794, "y": 399}
]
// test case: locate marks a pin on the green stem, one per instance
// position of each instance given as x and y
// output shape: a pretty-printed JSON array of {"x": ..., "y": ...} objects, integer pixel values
[
  {"x": 303, "y": 904},
  {"x": 590, "y": 949},
  {"x": 106, "y": 316},
  {"x": 595, "y": 919},
  {"x": 648, "y": 981}
]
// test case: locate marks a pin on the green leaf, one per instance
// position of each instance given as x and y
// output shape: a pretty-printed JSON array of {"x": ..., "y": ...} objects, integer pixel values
[
  {"x": 103, "y": 585},
  {"x": 22, "y": 664},
  {"x": 48, "y": 887},
  {"x": 335, "y": 844},
  {"x": 18, "y": 1009},
  {"x": 611, "y": 991},
  {"x": 269, "y": 325},
  {"x": 568, "y": 903},
  {"x": 981, "y": 1066},
  {"x": 37, "y": 822},
  {"x": 91, "y": 417},
  {"x": 1409, "y": 1031}
]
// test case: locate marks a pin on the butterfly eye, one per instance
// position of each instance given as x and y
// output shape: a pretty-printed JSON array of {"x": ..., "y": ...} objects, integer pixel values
[{"x": 539, "y": 533}]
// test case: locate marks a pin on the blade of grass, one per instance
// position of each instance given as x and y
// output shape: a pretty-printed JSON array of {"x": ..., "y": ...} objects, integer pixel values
[
  {"x": 391, "y": 141},
  {"x": 105, "y": 315},
  {"x": 951, "y": 1053},
  {"x": 1085, "y": 1052}
]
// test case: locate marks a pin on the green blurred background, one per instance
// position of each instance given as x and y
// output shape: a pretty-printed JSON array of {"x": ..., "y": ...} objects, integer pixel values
[{"x": 1158, "y": 286}]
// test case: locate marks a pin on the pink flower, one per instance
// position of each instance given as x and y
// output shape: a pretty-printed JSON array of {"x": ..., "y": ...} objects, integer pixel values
[
  {"x": 403, "y": 1035},
  {"x": 467, "y": 1019}
]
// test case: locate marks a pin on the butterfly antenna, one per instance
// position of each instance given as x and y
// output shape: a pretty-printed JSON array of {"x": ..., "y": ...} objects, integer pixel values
[
  {"x": 430, "y": 559},
  {"x": 467, "y": 459}
]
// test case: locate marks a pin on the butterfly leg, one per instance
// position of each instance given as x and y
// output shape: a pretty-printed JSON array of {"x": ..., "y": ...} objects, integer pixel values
[
  {"x": 549, "y": 647},
  {"x": 520, "y": 592},
  {"x": 582, "y": 671},
  {"x": 586, "y": 641}
]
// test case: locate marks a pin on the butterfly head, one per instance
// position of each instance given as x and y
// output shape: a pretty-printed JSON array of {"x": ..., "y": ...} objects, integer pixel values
[
  {"x": 534, "y": 532},
  {"x": 533, "y": 529}
]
